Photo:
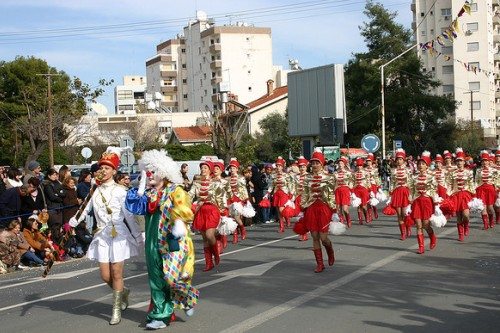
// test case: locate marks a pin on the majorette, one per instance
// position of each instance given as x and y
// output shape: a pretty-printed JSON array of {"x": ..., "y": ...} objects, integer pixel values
[
  {"x": 487, "y": 179},
  {"x": 342, "y": 183},
  {"x": 299, "y": 178},
  {"x": 281, "y": 187},
  {"x": 400, "y": 180},
  {"x": 362, "y": 188},
  {"x": 237, "y": 197},
  {"x": 376, "y": 183}
]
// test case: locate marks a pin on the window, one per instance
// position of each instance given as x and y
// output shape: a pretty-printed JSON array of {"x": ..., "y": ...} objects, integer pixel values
[
  {"x": 214, "y": 106},
  {"x": 446, "y": 11},
  {"x": 199, "y": 50},
  {"x": 183, "y": 50},
  {"x": 212, "y": 42},
  {"x": 473, "y": 64},
  {"x": 471, "y": 47},
  {"x": 473, "y": 7},
  {"x": 213, "y": 74},
  {"x": 184, "y": 66},
  {"x": 448, "y": 89},
  {"x": 474, "y": 86},
  {"x": 125, "y": 94},
  {"x": 214, "y": 90},
  {"x": 201, "y": 99},
  {"x": 186, "y": 110},
  {"x": 213, "y": 58},
  {"x": 201, "y": 82},
  {"x": 126, "y": 107},
  {"x": 249, "y": 88},
  {"x": 447, "y": 49},
  {"x": 205, "y": 92},
  {"x": 424, "y": 33},
  {"x": 472, "y": 26},
  {"x": 476, "y": 105},
  {"x": 184, "y": 81},
  {"x": 204, "y": 76},
  {"x": 204, "y": 59},
  {"x": 448, "y": 69},
  {"x": 422, "y": 14},
  {"x": 185, "y": 96}
]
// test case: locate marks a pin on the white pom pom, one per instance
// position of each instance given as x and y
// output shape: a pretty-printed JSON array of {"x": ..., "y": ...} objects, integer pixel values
[
  {"x": 408, "y": 210},
  {"x": 355, "y": 201},
  {"x": 179, "y": 230},
  {"x": 248, "y": 210},
  {"x": 226, "y": 226},
  {"x": 373, "y": 202},
  {"x": 437, "y": 199},
  {"x": 476, "y": 205},
  {"x": 497, "y": 202},
  {"x": 335, "y": 217},
  {"x": 236, "y": 208},
  {"x": 290, "y": 203},
  {"x": 438, "y": 220},
  {"x": 337, "y": 228},
  {"x": 381, "y": 196}
]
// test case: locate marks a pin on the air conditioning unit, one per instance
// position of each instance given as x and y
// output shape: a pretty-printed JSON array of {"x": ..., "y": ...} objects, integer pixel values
[
  {"x": 468, "y": 32},
  {"x": 447, "y": 17}
]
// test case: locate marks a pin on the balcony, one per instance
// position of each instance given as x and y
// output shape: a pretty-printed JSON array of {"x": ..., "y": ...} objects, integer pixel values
[
  {"x": 215, "y": 48},
  {"x": 170, "y": 73},
  {"x": 497, "y": 56},
  {"x": 496, "y": 37},
  {"x": 170, "y": 104},
  {"x": 216, "y": 80},
  {"x": 216, "y": 64},
  {"x": 215, "y": 98},
  {"x": 496, "y": 20},
  {"x": 169, "y": 89}
]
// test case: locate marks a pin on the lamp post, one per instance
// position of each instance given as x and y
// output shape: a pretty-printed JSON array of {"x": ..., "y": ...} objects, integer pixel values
[{"x": 382, "y": 86}]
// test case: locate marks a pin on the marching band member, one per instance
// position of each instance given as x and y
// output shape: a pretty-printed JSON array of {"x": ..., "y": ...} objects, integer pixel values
[
  {"x": 440, "y": 174},
  {"x": 423, "y": 189},
  {"x": 169, "y": 247},
  {"x": 497, "y": 167},
  {"x": 237, "y": 193},
  {"x": 299, "y": 187},
  {"x": 486, "y": 179},
  {"x": 207, "y": 215},
  {"x": 461, "y": 187},
  {"x": 448, "y": 161},
  {"x": 318, "y": 202},
  {"x": 362, "y": 187},
  {"x": 375, "y": 183},
  {"x": 401, "y": 178},
  {"x": 281, "y": 188},
  {"x": 118, "y": 236},
  {"x": 343, "y": 183}
]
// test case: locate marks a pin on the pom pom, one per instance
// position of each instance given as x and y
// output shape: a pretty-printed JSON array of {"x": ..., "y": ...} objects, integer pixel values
[
  {"x": 381, "y": 196},
  {"x": 407, "y": 210},
  {"x": 337, "y": 228},
  {"x": 290, "y": 204},
  {"x": 236, "y": 208},
  {"x": 476, "y": 205},
  {"x": 437, "y": 199},
  {"x": 355, "y": 201},
  {"x": 179, "y": 230},
  {"x": 389, "y": 210},
  {"x": 447, "y": 207},
  {"x": 288, "y": 212},
  {"x": 248, "y": 210},
  {"x": 300, "y": 227},
  {"x": 335, "y": 217},
  {"x": 226, "y": 226},
  {"x": 265, "y": 203},
  {"x": 409, "y": 221},
  {"x": 497, "y": 201},
  {"x": 438, "y": 220},
  {"x": 373, "y": 202}
]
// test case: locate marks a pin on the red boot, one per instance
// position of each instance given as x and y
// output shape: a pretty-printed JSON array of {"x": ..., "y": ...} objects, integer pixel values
[
  {"x": 304, "y": 237},
  {"x": 492, "y": 222},
  {"x": 235, "y": 236},
  {"x": 433, "y": 238},
  {"x": 224, "y": 241},
  {"x": 215, "y": 252},
  {"x": 402, "y": 230},
  {"x": 288, "y": 223},
  {"x": 243, "y": 232},
  {"x": 485, "y": 222},
  {"x": 420, "y": 239},
  {"x": 497, "y": 215},
  {"x": 369, "y": 215},
  {"x": 466, "y": 227},
  {"x": 375, "y": 212},
  {"x": 360, "y": 217},
  {"x": 460, "y": 228},
  {"x": 209, "y": 264},
  {"x": 282, "y": 225},
  {"x": 330, "y": 253},
  {"x": 319, "y": 261},
  {"x": 219, "y": 244},
  {"x": 349, "y": 221},
  {"x": 173, "y": 317},
  {"x": 408, "y": 231}
]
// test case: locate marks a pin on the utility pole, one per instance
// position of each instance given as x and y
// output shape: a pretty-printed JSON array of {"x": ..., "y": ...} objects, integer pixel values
[
  {"x": 471, "y": 109},
  {"x": 49, "y": 118}
]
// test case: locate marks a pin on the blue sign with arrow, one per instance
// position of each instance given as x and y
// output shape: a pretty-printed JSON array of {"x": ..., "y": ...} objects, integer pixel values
[{"x": 370, "y": 143}]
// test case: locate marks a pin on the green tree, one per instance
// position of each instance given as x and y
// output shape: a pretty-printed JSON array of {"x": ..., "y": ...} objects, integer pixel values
[
  {"x": 189, "y": 153},
  {"x": 413, "y": 115}
]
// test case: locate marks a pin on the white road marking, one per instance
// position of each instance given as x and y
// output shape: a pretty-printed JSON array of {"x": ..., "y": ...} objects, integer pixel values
[
  {"x": 278, "y": 310},
  {"x": 128, "y": 278}
]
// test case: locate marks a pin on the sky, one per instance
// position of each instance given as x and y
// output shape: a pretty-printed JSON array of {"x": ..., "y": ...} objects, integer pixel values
[{"x": 94, "y": 39}]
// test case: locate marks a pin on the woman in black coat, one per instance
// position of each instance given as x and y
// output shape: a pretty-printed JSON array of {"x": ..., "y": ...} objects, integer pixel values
[
  {"x": 34, "y": 201},
  {"x": 54, "y": 195}
]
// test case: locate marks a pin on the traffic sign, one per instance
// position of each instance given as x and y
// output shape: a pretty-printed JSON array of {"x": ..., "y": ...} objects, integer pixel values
[
  {"x": 127, "y": 141},
  {"x": 370, "y": 143},
  {"x": 127, "y": 159},
  {"x": 86, "y": 152},
  {"x": 398, "y": 144}
]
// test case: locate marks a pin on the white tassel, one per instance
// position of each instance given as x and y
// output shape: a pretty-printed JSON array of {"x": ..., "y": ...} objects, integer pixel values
[
  {"x": 290, "y": 203},
  {"x": 179, "y": 230},
  {"x": 226, "y": 226},
  {"x": 373, "y": 202},
  {"x": 438, "y": 220},
  {"x": 337, "y": 228},
  {"x": 248, "y": 210},
  {"x": 407, "y": 210},
  {"x": 355, "y": 201},
  {"x": 236, "y": 208},
  {"x": 476, "y": 205}
]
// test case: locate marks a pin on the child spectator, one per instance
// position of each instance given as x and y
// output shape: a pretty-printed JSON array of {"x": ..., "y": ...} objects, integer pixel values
[{"x": 83, "y": 237}]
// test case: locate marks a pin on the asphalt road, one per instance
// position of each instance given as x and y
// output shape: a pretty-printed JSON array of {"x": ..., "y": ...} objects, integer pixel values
[{"x": 267, "y": 284}]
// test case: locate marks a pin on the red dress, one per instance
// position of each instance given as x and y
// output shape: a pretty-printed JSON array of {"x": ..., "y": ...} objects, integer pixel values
[
  {"x": 280, "y": 186},
  {"x": 400, "y": 194},
  {"x": 441, "y": 181},
  {"x": 486, "y": 190},
  {"x": 462, "y": 187},
  {"x": 343, "y": 179},
  {"x": 207, "y": 216},
  {"x": 362, "y": 185},
  {"x": 423, "y": 207},
  {"x": 317, "y": 200}
]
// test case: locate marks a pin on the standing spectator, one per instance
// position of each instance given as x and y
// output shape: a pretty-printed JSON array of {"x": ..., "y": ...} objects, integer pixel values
[
  {"x": 54, "y": 194},
  {"x": 70, "y": 200},
  {"x": 83, "y": 187},
  {"x": 34, "y": 201},
  {"x": 64, "y": 172},
  {"x": 13, "y": 178},
  {"x": 34, "y": 170},
  {"x": 258, "y": 193},
  {"x": 186, "y": 183},
  {"x": 123, "y": 179},
  {"x": 10, "y": 204}
]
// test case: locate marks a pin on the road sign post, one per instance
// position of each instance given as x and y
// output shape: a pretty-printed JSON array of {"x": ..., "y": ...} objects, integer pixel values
[{"x": 370, "y": 143}]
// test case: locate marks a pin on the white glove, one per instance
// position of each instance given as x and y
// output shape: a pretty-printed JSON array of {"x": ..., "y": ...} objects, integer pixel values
[
  {"x": 73, "y": 222},
  {"x": 179, "y": 230},
  {"x": 142, "y": 184}
]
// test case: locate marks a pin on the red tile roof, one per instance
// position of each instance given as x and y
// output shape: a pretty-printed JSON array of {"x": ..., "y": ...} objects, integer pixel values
[
  {"x": 278, "y": 92},
  {"x": 192, "y": 133}
]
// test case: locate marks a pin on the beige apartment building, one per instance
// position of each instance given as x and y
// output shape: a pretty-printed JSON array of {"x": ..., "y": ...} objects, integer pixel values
[
  {"x": 190, "y": 71},
  {"x": 130, "y": 95},
  {"x": 468, "y": 67}
]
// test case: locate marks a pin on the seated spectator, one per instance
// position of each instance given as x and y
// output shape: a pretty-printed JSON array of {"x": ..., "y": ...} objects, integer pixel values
[
  {"x": 28, "y": 256},
  {"x": 59, "y": 251},
  {"x": 83, "y": 236},
  {"x": 70, "y": 201},
  {"x": 71, "y": 246},
  {"x": 13, "y": 178},
  {"x": 43, "y": 249},
  {"x": 10, "y": 204},
  {"x": 8, "y": 250}
]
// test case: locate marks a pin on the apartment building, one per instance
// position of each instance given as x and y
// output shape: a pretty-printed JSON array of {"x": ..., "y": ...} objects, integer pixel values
[
  {"x": 190, "y": 70},
  {"x": 468, "y": 66},
  {"x": 130, "y": 96}
]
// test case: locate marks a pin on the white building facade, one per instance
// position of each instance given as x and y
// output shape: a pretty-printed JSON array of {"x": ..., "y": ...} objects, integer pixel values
[
  {"x": 468, "y": 67},
  {"x": 131, "y": 95}
]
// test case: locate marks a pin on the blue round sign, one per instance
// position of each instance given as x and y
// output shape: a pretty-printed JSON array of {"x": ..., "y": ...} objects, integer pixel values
[{"x": 370, "y": 143}]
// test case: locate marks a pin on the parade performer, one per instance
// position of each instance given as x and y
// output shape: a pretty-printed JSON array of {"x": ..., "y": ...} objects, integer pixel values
[
  {"x": 461, "y": 187},
  {"x": 281, "y": 188},
  {"x": 118, "y": 236},
  {"x": 208, "y": 195},
  {"x": 486, "y": 181},
  {"x": 169, "y": 247},
  {"x": 319, "y": 203},
  {"x": 448, "y": 161},
  {"x": 400, "y": 180},
  {"x": 237, "y": 197},
  {"x": 423, "y": 190},
  {"x": 302, "y": 163},
  {"x": 362, "y": 187},
  {"x": 497, "y": 167},
  {"x": 342, "y": 184},
  {"x": 440, "y": 174},
  {"x": 375, "y": 183}
]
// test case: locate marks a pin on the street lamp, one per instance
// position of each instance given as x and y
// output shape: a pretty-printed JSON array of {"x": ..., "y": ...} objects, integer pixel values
[{"x": 382, "y": 85}]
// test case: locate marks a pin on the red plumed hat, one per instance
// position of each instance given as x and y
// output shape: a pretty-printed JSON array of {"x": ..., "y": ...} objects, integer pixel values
[
  {"x": 208, "y": 163},
  {"x": 344, "y": 159},
  {"x": 220, "y": 164},
  {"x": 426, "y": 157},
  {"x": 485, "y": 155},
  {"x": 360, "y": 161},
  {"x": 460, "y": 155},
  {"x": 447, "y": 154},
  {"x": 438, "y": 158},
  {"x": 111, "y": 157},
  {"x": 370, "y": 157},
  {"x": 280, "y": 161},
  {"x": 318, "y": 156},
  {"x": 497, "y": 153},
  {"x": 234, "y": 162},
  {"x": 400, "y": 153},
  {"x": 302, "y": 161}
]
